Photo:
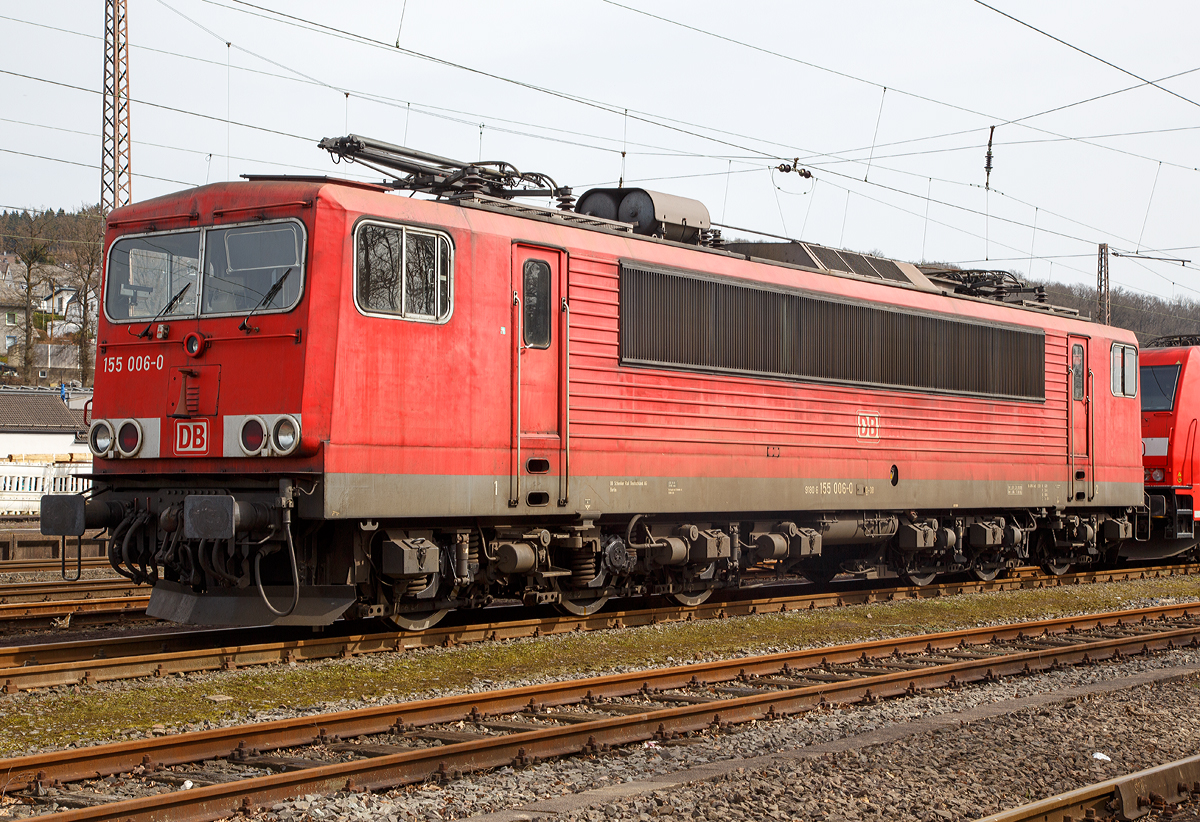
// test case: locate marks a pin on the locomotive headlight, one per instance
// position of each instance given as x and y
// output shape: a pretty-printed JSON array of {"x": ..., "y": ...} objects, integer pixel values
[
  {"x": 252, "y": 436},
  {"x": 1157, "y": 475},
  {"x": 101, "y": 438},
  {"x": 129, "y": 438},
  {"x": 285, "y": 435},
  {"x": 194, "y": 344}
]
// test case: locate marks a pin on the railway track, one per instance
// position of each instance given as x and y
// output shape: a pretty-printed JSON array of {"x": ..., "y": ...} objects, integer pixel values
[
  {"x": 248, "y": 766},
  {"x": 87, "y": 662},
  {"x": 106, "y": 588},
  {"x": 1129, "y": 797},
  {"x": 49, "y": 566},
  {"x": 85, "y": 602},
  {"x": 65, "y": 613}
]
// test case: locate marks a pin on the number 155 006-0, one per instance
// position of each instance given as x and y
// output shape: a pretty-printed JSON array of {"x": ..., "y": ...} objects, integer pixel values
[{"x": 132, "y": 364}]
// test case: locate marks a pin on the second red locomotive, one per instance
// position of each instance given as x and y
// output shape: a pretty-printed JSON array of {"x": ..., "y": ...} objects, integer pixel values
[{"x": 318, "y": 399}]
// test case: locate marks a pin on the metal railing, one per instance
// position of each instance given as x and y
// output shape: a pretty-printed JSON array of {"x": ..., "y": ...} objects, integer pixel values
[{"x": 22, "y": 484}]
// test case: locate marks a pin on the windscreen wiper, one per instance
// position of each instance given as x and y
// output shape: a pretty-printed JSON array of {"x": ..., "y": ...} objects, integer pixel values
[
  {"x": 166, "y": 310},
  {"x": 266, "y": 300}
]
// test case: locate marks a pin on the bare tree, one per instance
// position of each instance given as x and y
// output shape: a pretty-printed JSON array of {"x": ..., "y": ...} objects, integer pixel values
[
  {"x": 81, "y": 243},
  {"x": 34, "y": 243}
]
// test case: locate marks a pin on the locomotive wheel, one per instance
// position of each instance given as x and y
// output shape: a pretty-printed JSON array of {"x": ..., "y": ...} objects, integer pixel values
[
  {"x": 1051, "y": 564},
  {"x": 921, "y": 580},
  {"x": 692, "y": 600},
  {"x": 820, "y": 574},
  {"x": 580, "y": 607},
  {"x": 416, "y": 620},
  {"x": 985, "y": 575},
  {"x": 1056, "y": 568}
]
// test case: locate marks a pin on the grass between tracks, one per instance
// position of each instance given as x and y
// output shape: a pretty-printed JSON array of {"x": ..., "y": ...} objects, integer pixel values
[{"x": 65, "y": 716}]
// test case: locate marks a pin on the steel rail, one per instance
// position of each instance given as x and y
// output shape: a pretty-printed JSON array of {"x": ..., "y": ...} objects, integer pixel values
[
  {"x": 521, "y": 748},
  {"x": 17, "y": 611},
  {"x": 49, "y": 566},
  {"x": 107, "y": 587},
  {"x": 79, "y": 763},
  {"x": 117, "y": 658},
  {"x": 1022, "y": 578},
  {"x": 1133, "y": 795}
]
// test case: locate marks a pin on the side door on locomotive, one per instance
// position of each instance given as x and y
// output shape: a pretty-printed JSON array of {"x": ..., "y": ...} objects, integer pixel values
[{"x": 539, "y": 449}]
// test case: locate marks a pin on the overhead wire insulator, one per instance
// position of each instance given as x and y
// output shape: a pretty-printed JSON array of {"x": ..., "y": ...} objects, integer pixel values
[
  {"x": 987, "y": 161},
  {"x": 794, "y": 165}
]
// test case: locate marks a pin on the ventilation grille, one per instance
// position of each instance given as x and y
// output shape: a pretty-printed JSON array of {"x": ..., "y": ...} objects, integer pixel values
[
  {"x": 678, "y": 321},
  {"x": 859, "y": 265},
  {"x": 888, "y": 269},
  {"x": 829, "y": 258}
]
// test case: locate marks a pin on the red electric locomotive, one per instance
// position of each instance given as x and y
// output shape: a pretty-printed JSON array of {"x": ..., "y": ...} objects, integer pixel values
[
  {"x": 1170, "y": 375},
  {"x": 315, "y": 399}
]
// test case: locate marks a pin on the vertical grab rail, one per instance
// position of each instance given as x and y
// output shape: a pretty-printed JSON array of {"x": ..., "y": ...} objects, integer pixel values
[
  {"x": 1091, "y": 424},
  {"x": 514, "y": 485},
  {"x": 1070, "y": 429},
  {"x": 564, "y": 475}
]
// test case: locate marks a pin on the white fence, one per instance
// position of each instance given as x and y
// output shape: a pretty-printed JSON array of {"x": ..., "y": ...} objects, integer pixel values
[{"x": 23, "y": 483}]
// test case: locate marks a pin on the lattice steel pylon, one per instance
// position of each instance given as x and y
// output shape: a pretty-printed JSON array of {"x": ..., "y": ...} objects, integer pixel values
[
  {"x": 115, "y": 173},
  {"x": 1103, "y": 307}
]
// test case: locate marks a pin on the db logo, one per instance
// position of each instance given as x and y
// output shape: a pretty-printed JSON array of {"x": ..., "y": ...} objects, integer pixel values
[
  {"x": 191, "y": 437},
  {"x": 868, "y": 426}
]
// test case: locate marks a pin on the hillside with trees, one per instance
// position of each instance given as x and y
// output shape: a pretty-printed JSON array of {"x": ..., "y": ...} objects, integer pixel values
[
  {"x": 1146, "y": 315},
  {"x": 49, "y": 280}
]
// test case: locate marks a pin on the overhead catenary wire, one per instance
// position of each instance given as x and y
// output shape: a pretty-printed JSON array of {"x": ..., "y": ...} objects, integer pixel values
[
  {"x": 430, "y": 110},
  {"x": 1149, "y": 202},
  {"x": 875, "y": 136},
  {"x": 329, "y": 86},
  {"x": 729, "y": 162},
  {"x": 87, "y": 165},
  {"x": 1087, "y": 53},
  {"x": 928, "y": 201},
  {"x": 848, "y": 76},
  {"x": 1004, "y": 245},
  {"x": 319, "y": 83},
  {"x": 660, "y": 121}
]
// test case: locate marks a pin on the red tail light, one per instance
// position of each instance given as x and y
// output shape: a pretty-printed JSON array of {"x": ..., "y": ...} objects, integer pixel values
[
  {"x": 129, "y": 438},
  {"x": 253, "y": 435}
]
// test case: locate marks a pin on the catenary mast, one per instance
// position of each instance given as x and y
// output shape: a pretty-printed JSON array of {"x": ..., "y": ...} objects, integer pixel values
[{"x": 115, "y": 173}]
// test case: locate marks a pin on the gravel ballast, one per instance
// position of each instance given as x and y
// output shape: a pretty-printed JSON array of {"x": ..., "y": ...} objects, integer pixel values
[
  {"x": 644, "y": 782},
  {"x": 940, "y": 755}
]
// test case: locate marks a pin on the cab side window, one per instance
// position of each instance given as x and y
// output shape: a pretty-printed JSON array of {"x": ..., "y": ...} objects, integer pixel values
[
  {"x": 1077, "y": 374},
  {"x": 405, "y": 272},
  {"x": 1124, "y": 370},
  {"x": 536, "y": 320}
]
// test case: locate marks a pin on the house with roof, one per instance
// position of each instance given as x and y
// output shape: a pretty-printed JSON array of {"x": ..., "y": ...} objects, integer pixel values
[
  {"x": 36, "y": 422},
  {"x": 12, "y": 320},
  {"x": 43, "y": 448},
  {"x": 59, "y": 310}
]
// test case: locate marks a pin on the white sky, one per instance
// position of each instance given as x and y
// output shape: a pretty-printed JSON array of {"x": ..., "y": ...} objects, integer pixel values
[{"x": 707, "y": 117}]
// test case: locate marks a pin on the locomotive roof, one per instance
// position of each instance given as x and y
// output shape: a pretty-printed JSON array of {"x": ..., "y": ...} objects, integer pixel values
[{"x": 263, "y": 192}]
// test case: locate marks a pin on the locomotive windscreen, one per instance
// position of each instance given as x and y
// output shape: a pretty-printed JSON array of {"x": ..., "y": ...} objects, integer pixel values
[
  {"x": 209, "y": 271},
  {"x": 679, "y": 321},
  {"x": 1158, "y": 386}
]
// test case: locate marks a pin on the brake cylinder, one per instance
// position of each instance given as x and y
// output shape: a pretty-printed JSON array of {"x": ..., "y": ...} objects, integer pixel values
[{"x": 515, "y": 557}]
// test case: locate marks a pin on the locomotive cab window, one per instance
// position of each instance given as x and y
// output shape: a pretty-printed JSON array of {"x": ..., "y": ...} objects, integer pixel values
[
  {"x": 207, "y": 271},
  {"x": 251, "y": 267},
  {"x": 536, "y": 309},
  {"x": 403, "y": 272},
  {"x": 1124, "y": 371},
  {"x": 1159, "y": 383},
  {"x": 146, "y": 273},
  {"x": 1077, "y": 370}
]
